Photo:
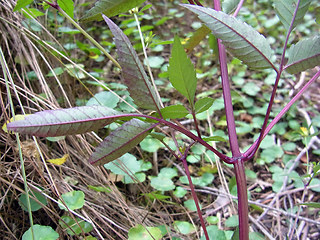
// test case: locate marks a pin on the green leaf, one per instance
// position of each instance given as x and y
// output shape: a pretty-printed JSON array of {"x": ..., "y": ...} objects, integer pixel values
[
  {"x": 304, "y": 55},
  {"x": 67, "y": 6},
  {"x": 214, "y": 139},
  {"x": 184, "y": 227},
  {"x": 125, "y": 165},
  {"x": 21, "y": 4},
  {"x": 250, "y": 88},
  {"x": 52, "y": 123},
  {"x": 243, "y": 41},
  {"x": 32, "y": 13},
  {"x": 311, "y": 204},
  {"x": 135, "y": 78},
  {"x": 285, "y": 10},
  {"x": 191, "y": 205},
  {"x": 120, "y": 141},
  {"x": 229, "y": 6},
  {"x": 73, "y": 200},
  {"x": 181, "y": 71},
  {"x": 110, "y": 8},
  {"x": 100, "y": 188},
  {"x": 168, "y": 172},
  {"x": 146, "y": 233},
  {"x": 174, "y": 111},
  {"x": 150, "y": 144},
  {"x": 203, "y": 104},
  {"x": 40, "y": 233},
  {"x": 214, "y": 233},
  {"x": 75, "y": 226},
  {"x": 35, "y": 206},
  {"x": 162, "y": 183},
  {"x": 232, "y": 221},
  {"x": 104, "y": 98}
]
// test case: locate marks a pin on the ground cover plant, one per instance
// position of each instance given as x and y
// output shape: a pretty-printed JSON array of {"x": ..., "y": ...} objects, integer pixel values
[{"x": 159, "y": 126}]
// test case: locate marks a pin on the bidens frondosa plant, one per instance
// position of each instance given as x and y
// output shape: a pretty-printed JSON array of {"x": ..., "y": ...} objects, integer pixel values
[{"x": 240, "y": 39}]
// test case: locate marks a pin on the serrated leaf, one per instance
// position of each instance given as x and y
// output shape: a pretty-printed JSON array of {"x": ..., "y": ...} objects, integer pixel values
[
  {"x": 181, "y": 71},
  {"x": 135, "y": 78},
  {"x": 203, "y": 104},
  {"x": 110, "y": 8},
  {"x": 61, "y": 122},
  {"x": 120, "y": 141},
  {"x": 243, "y": 41},
  {"x": 229, "y": 6},
  {"x": 286, "y": 8},
  {"x": 304, "y": 55},
  {"x": 174, "y": 111}
]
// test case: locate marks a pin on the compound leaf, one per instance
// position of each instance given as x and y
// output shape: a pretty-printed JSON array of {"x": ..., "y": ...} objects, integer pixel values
[
  {"x": 120, "y": 141},
  {"x": 304, "y": 55},
  {"x": 133, "y": 73},
  {"x": 61, "y": 122},
  {"x": 110, "y": 8},
  {"x": 241, "y": 40},
  {"x": 286, "y": 8}
]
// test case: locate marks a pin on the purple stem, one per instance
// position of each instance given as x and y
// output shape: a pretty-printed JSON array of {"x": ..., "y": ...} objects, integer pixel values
[
  {"x": 251, "y": 151},
  {"x": 193, "y": 192},
  {"x": 274, "y": 90},
  {"x": 238, "y": 8}
]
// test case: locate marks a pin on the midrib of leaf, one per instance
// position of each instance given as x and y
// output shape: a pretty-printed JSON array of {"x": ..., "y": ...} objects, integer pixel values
[{"x": 205, "y": 13}]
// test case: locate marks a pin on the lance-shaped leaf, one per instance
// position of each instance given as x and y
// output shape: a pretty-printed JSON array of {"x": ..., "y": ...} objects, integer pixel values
[
  {"x": 110, "y": 8},
  {"x": 120, "y": 141},
  {"x": 241, "y": 40},
  {"x": 136, "y": 79},
  {"x": 61, "y": 122},
  {"x": 181, "y": 71},
  {"x": 286, "y": 8},
  {"x": 196, "y": 38},
  {"x": 304, "y": 55}
]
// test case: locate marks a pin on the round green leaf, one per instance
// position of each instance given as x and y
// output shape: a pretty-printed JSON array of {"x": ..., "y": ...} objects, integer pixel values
[
  {"x": 104, "y": 98},
  {"x": 168, "y": 172},
  {"x": 35, "y": 206},
  {"x": 124, "y": 165},
  {"x": 232, "y": 221},
  {"x": 75, "y": 226},
  {"x": 140, "y": 232},
  {"x": 73, "y": 200},
  {"x": 150, "y": 144},
  {"x": 183, "y": 227},
  {"x": 162, "y": 183},
  {"x": 180, "y": 192},
  {"x": 155, "y": 61},
  {"x": 250, "y": 88},
  {"x": 214, "y": 233},
  {"x": 191, "y": 205},
  {"x": 41, "y": 233}
]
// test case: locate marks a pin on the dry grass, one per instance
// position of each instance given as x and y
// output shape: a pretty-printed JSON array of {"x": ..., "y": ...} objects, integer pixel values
[{"x": 112, "y": 214}]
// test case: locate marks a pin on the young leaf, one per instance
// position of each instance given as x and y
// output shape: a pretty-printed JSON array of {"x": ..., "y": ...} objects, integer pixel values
[
  {"x": 196, "y": 38},
  {"x": 134, "y": 76},
  {"x": 120, "y": 141},
  {"x": 304, "y": 55},
  {"x": 181, "y": 71},
  {"x": 174, "y": 111},
  {"x": 110, "y": 8},
  {"x": 242, "y": 40},
  {"x": 285, "y": 10},
  {"x": 203, "y": 104},
  {"x": 21, "y": 4},
  {"x": 52, "y": 123}
]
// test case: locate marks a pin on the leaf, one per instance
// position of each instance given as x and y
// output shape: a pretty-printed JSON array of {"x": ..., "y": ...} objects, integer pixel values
[
  {"x": 120, "y": 141},
  {"x": 59, "y": 161},
  {"x": 229, "y": 6},
  {"x": 181, "y": 71},
  {"x": 21, "y": 4},
  {"x": 311, "y": 204},
  {"x": 35, "y": 206},
  {"x": 241, "y": 40},
  {"x": 146, "y": 233},
  {"x": 304, "y": 55},
  {"x": 73, "y": 200},
  {"x": 104, "y": 98},
  {"x": 75, "y": 226},
  {"x": 184, "y": 227},
  {"x": 52, "y": 123},
  {"x": 15, "y": 118},
  {"x": 100, "y": 188},
  {"x": 133, "y": 73},
  {"x": 67, "y": 6},
  {"x": 214, "y": 139},
  {"x": 203, "y": 104},
  {"x": 286, "y": 8},
  {"x": 40, "y": 233},
  {"x": 196, "y": 38},
  {"x": 110, "y": 8},
  {"x": 174, "y": 111}
]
